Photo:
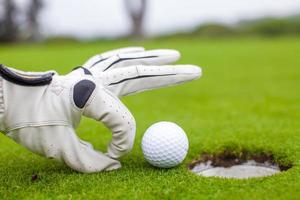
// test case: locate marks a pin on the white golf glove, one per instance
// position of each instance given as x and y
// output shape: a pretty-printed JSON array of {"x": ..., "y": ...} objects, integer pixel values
[{"x": 42, "y": 110}]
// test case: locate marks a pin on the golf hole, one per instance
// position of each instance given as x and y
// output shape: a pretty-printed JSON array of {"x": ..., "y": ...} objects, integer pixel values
[{"x": 231, "y": 164}]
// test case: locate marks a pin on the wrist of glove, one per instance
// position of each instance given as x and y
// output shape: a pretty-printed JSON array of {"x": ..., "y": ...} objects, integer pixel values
[{"x": 43, "y": 117}]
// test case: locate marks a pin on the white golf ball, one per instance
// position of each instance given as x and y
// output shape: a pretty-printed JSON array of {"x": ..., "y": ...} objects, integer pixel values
[{"x": 165, "y": 144}]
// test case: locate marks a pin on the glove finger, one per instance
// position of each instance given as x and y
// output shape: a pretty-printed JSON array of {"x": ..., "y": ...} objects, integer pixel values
[
  {"x": 108, "y": 109},
  {"x": 136, "y": 79},
  {"x": 103, "y": 56},
  {"x": 61, "y": 143},
  {"x": 151, "y": 57}
]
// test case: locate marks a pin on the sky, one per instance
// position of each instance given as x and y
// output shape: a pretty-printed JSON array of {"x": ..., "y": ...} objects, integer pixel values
[{"x": 108, "y": 18}]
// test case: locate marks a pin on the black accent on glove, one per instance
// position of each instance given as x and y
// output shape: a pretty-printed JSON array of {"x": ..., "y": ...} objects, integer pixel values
[
  {"x": 82, "y": 92},
  {"x": 85, "y": 70},
  {"x": 25, "y": 79}
]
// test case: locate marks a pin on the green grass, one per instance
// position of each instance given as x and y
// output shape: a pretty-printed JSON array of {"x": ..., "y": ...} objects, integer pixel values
[{"x": 248, "y": 98}]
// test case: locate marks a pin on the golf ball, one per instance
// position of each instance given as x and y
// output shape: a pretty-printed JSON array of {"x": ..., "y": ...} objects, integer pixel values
[{"x": 165, "y": 144}]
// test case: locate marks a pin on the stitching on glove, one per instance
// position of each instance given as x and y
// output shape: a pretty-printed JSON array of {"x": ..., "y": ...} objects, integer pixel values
[
  {"x": 124, "y": 59},
  {"x": 38, "y": 124},
  {"x": 139, "y": 77},
  {"x": 101, "y": 60}
]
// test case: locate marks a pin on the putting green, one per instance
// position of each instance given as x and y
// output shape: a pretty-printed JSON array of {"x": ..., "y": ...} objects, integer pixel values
[{"x": 248, "y": 98}]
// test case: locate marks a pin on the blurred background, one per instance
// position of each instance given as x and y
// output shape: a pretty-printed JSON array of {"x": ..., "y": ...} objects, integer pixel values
[{"x": 39, "y": 20}]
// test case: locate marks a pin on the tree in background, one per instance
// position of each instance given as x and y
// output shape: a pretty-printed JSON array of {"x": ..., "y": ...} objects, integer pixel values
[
  {"x": 12, "y": 29},
  {"x": 136, "y": 10},
  {"x": 32, "y": 19},
  {"x": 8, "y": 25}
]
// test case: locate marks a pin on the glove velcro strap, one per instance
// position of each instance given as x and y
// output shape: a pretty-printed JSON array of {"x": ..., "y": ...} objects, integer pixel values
[{"x": 25, "y": 78}]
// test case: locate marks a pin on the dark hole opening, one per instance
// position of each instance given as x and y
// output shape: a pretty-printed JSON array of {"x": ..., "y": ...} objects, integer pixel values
[{"x": 229, "y": 158}]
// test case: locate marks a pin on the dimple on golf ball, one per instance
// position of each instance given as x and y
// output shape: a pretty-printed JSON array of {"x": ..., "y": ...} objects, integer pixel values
[{"x": 165, "y": 144}]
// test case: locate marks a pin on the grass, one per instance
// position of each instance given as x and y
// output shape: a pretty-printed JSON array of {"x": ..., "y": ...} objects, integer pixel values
[{"x": 248, "y": 98}]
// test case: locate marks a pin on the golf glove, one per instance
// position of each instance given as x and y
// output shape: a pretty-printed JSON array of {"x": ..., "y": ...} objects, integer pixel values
[{"x": 42, "y": 110}]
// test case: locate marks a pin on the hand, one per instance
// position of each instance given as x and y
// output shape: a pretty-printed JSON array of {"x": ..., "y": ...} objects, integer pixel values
[{"x": 43, "y": 118}]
